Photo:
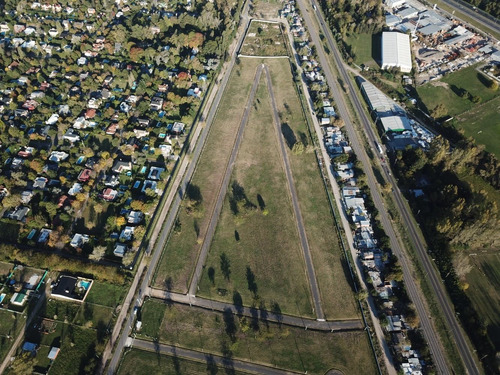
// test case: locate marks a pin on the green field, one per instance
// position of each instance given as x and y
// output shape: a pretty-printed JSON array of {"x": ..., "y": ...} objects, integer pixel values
[
  {"x": 106, "y": 294},
  {"x": 254, "y": 340},
  {"x": 329, "y": 263},
  {"x": 139, "y": 362},
  {"x": 362, "y": 49},
  {"x": 261, "y": 241},
  {"x": 181, "y": 252},
  {"x": 484, "y": 292},
  {"x": 483, "y": 124},
  {"x": 472, "y": 117},
  {"x": 264, "y": 39}
]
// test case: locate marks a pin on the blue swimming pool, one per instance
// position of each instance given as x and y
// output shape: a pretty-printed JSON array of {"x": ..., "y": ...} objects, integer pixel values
[{"x": 84, "y": 284}]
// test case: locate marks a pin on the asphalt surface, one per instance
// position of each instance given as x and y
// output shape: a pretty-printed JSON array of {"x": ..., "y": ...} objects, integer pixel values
[
  {"x": 257, "y": 313},
  {"x": 295, "y": 202},
  {"x": 485, "y": 20},
  {"x": 223, "y": 187},
  {"x": 411, "y": 286},
  {"x": 209, "y": 359},
  {"x": 145, "y": 272}
]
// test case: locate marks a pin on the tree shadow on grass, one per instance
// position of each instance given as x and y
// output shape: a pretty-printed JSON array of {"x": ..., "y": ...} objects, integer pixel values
[{"x": 289, "y": 135}]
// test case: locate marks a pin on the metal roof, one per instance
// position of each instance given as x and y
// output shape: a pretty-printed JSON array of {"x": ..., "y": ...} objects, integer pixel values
[{"x": 396, "y": 51}]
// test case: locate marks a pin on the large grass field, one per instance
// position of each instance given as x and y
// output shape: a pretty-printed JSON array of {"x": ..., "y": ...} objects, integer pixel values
[
  {"x": 264, "y": 39},
  {"x": 365, "y": 48},
  {"x": 330, "y": 265},
  {"x": 181, "y": 252},
  {"x": 261, "y": 242},
  {"x": 140, "y": 362},
  {"x": 484, "y": 292},
  {"x": 481, "y": 120},
  {"x": 251, "y": 339}
]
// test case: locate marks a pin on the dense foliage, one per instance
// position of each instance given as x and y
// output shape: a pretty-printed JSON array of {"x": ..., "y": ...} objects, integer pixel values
[{"x": 489, "y": 6}]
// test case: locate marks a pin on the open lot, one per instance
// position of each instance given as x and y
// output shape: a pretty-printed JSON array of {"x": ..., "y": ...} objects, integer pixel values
[
  {"x": 264, "y": 39},
  {"x": 329, "y": 263},
  {"x": 139, "y": 362},
  {"x": 266, "y": 9},
  {"x": 181, "y": 252},
  {"x": 256, "y": 231},
  {"x": 484, "y": 292},
  {"x": 365, "y": 48},
  {"x": 483, "y": 123},
  {"x": 254, "y": 340}
]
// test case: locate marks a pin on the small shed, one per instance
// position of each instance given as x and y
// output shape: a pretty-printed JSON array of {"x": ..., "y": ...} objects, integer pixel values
[{"x": 53, "y": 353}]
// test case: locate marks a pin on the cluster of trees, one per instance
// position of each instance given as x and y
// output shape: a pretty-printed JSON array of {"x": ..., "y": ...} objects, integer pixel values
[
  {"x": 459, "y": 212},
  {"x": 354, "y": 16},
  {"x": 491, "y": 7}
]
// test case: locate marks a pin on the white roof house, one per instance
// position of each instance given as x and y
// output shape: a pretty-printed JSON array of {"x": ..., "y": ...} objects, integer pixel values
[{"x": 396, "y": 51}]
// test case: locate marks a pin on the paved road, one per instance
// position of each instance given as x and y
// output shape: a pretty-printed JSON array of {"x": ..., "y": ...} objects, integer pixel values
[
  {"x": 412, "y": 289},
  {"x": 485, "y": 20},
  {"x": 224, "y": 362},
  {"x": 145, "y": 271},
  {"x": 207, "y": 241},
  {"x": 271, "y": 316},
  {"x": 296, "y": 209}
]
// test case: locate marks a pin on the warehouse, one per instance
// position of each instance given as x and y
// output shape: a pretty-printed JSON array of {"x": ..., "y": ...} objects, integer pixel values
[{"x": 396, "y": 51}]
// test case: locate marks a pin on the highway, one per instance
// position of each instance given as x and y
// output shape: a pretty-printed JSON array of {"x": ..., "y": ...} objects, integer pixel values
[
  {"x": 271, "y": 316},
  {"x": 143, "y": 276},
  {"x": 485, "y": 20},
  {"x": 209, "y": 359},
  {"x": 313, "y": 283},
  {"x": 356, "y": 143}
]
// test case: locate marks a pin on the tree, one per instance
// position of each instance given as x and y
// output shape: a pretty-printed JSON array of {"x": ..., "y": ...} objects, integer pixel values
[
  {"x": 439, "y": 111},
  {"x": 120, "y": 221},
  {"x": 225, "y": 266}
]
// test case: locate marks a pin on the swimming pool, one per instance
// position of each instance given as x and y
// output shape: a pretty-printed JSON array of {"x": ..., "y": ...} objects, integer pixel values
[
  {"x": 80, "y": 160},
  {"x": 84, "y": 284}
]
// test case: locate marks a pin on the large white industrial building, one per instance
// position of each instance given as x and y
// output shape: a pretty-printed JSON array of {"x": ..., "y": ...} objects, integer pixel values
[{"x": 396, "y": 51}]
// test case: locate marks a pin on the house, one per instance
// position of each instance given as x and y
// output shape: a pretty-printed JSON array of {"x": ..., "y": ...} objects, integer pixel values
[
  {"x": 75, "y": 189},
  {"x": 120, "y": 250},
  {"x": 178, "y": 128},
  {"x": 139, "y": 133},
  {"x": 135, "y": 217},
  {"x": 63, "y": 201},
  {"x": 143, "y": 122},
  {"x": 156, "y": 103},
  {"x": 121, "y": 166},
  {"x": 126, "y": 234},
  {"x": 44, "y": 235},
  {"x": 394, "y": 323},
  {"x": 71, "y": 288},
  {"x": 26, "y": 196},
  {"x": 71, "y": 135},
  {"x": 194, "y": 92},
  {"x": 111, "y": 130},
  {"x": 111, "y": 180},
  {"x": 166, "y": 150},
  {"x": 79, "y": 240},
  {"x": 84, "y": 175},
  {"x": 90, "y": 113},
  {"x": 18, "y": 214},
  {"x": 30, "y": 347},
  {"x": 109, "y": 194},
  {"x": 155, "y": 173},
  {"x": 148, "y": 184},
  {"x": 58, "y": 156},
  {"x": 40, "y": 182}
]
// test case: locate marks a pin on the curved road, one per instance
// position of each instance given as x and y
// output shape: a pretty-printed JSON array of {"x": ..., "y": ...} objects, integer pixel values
[
  {"x": 413, "y": 290},
  {"x": 295, "y": 202}
]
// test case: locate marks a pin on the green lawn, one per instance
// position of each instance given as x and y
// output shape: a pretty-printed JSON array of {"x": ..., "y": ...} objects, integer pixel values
[
  {"x": 251, "y": 339},
  {"x": 483, "y": 124},
  {"x": 181, "y": 252},
  {"x": 473, "y": 118},
  {"x": 106, "y": 294},
  {"x": 261, "y": 243},
  {"x": 152, "y": 314},
  {"x": 362, "y": 48},
  {"x": 445, "y": 91},
  {"x": 139, "y": 362},
  {"x": 330, "y": 265},
  {"x": 484, "y": 292},
  {"x": 90, "y": 315}
]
